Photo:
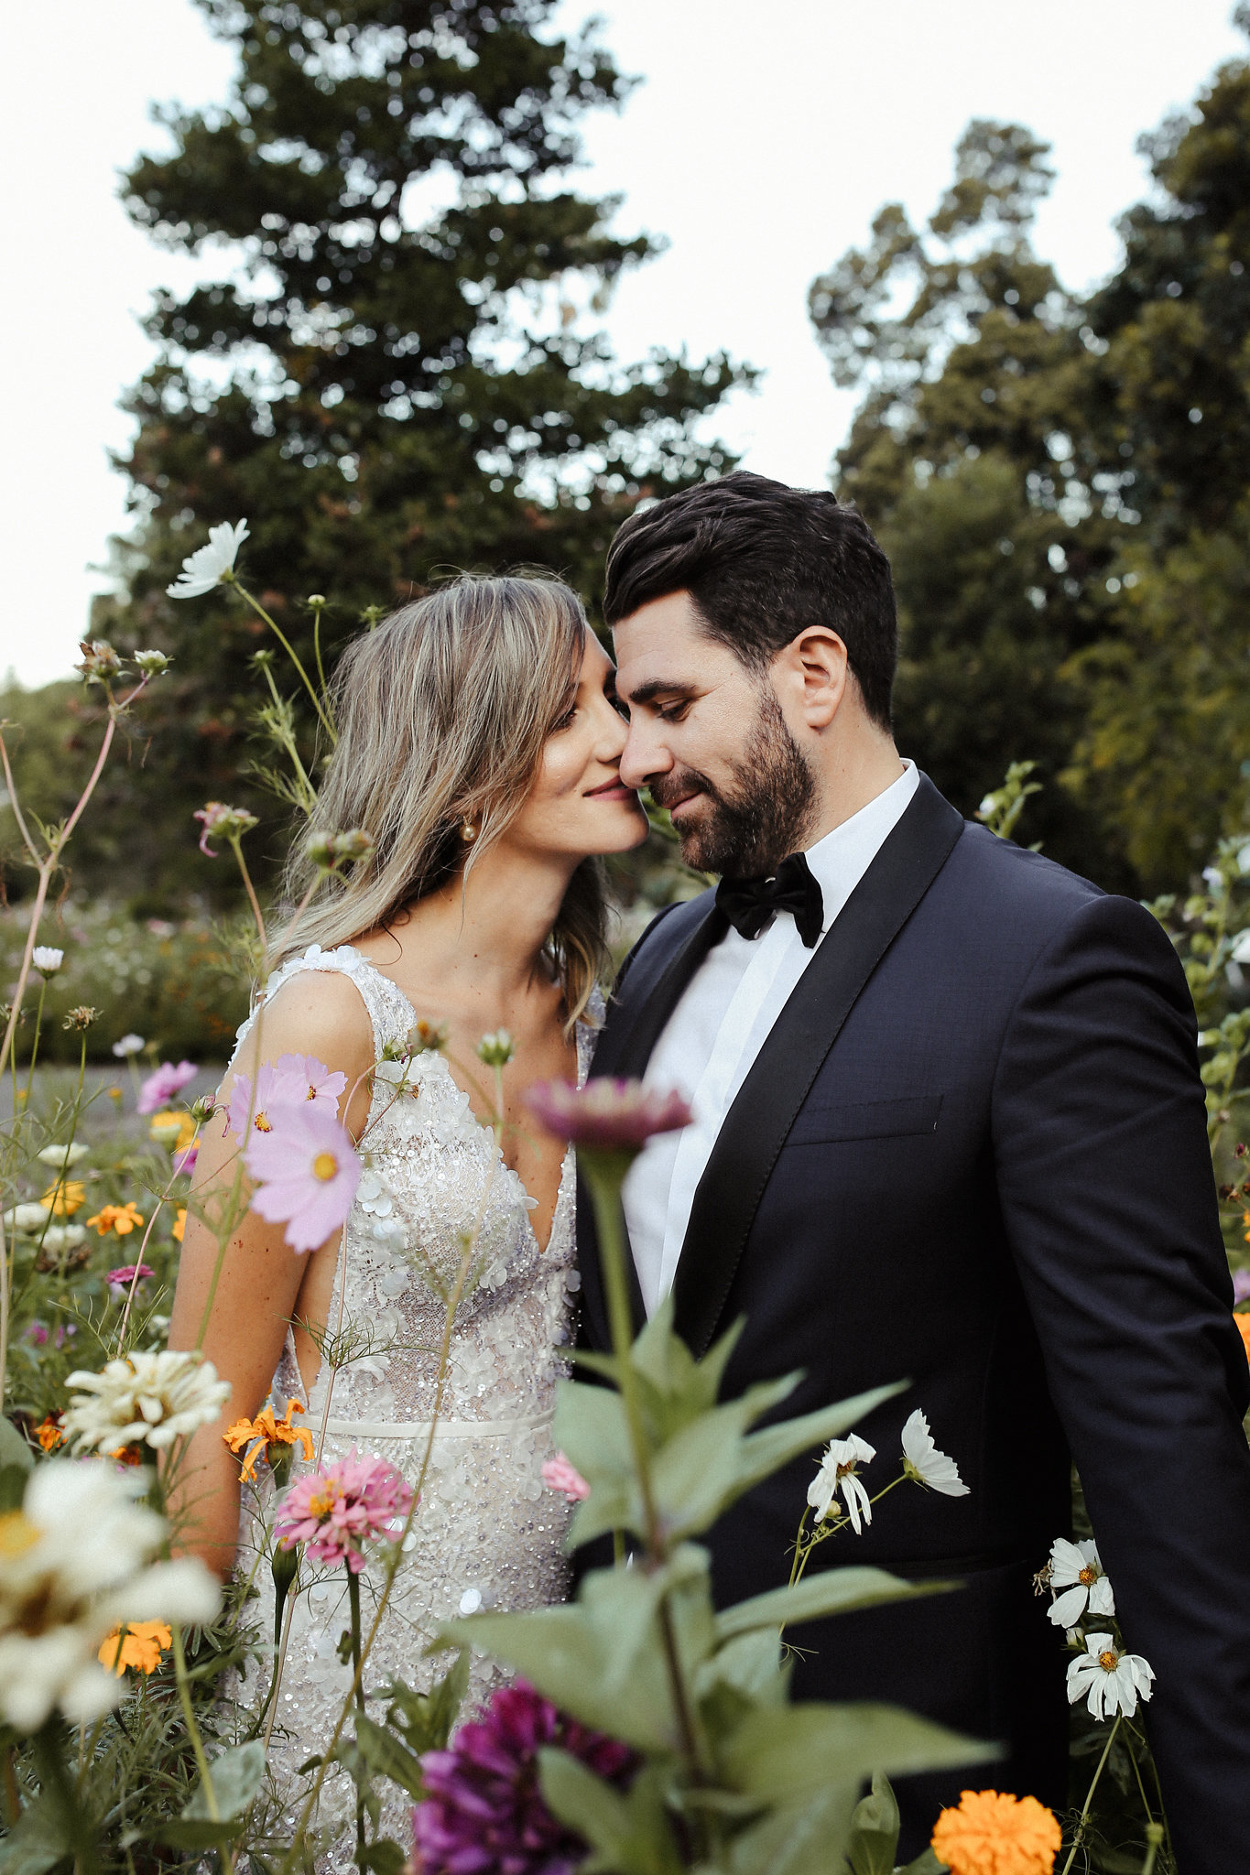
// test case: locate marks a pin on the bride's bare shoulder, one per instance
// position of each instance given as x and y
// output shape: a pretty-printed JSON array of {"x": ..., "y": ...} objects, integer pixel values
[{"x": 314, "y": 1012}]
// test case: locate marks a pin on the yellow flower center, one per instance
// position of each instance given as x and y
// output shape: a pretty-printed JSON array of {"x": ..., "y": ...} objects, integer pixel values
[
  {"x": 322, "y": 1504},
  {"x": 1088, "y": 1576},
  {"x": 311, "y": 1094},
  {"x": 262, "y": 1124},
  {"x": 1108, "y": 1661},
  {"x": 325, "y": 1165},
  {"x": 17, "y": 1533}
]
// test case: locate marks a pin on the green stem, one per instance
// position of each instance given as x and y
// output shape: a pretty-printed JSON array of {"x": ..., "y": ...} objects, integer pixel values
[
  {"x": 34, "y": 1047},
  {"x": 321, "y": 669},
  {"x": 353, "y": 1603},
  {"x": 12, "y": 1792},
  {"x": 1154, "y": 1838},
  {"x": 54, "y": 1778},
  {"x": 1083, "y": 1819},
  {"x": 259, "y": 609},
  {"x": 193, "y": 1730}
]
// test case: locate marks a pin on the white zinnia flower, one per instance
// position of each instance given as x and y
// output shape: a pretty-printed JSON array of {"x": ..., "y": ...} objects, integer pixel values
[
  {"x": 203, "y": 569},
  {"x": 60, "y": 1237},
  {"x": 46, "y": 960},
  {"x": 1076, "y": 1570},
  {"x": 1112, "y": 1680},
  {"x": 129, "y": 1045},
  {"x": 60, "y": 1596},
  {"x": 26, "y": 1217},
  {"x": 152, "y": 1398},
  {"x": 61, "y": 1156},
  {"x": 838, "y": 1472},
  {"x": 923, "y": 1462}
]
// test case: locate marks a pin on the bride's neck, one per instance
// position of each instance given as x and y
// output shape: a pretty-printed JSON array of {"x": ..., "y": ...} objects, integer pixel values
[{"x": 483, "y": 935}]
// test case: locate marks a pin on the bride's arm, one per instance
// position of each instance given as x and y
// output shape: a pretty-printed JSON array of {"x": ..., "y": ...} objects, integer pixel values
[{"x": 263, "y": 1283}]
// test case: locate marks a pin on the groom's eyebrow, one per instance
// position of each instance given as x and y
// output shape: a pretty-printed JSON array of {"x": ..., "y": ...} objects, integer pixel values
[{"x": 660, "y": 687}]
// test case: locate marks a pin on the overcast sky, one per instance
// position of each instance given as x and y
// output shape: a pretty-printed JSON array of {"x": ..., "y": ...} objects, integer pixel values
[{"x": 761, "y": 144}]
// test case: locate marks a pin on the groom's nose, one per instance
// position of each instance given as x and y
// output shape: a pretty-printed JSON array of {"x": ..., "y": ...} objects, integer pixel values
[{"x": 644, "y": 754}]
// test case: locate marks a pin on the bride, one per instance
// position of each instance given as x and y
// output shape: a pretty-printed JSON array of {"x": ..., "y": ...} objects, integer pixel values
[{"x": 479, "y": 746}]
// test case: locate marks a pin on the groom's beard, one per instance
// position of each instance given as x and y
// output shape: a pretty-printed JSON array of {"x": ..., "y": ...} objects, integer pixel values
[{"x": 747, "y": 833}]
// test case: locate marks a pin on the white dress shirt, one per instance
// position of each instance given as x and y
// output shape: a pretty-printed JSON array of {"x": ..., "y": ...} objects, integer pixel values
[{"x": 713, "y": 1036}]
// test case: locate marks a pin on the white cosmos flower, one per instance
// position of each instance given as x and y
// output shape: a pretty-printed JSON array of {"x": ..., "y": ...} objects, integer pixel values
[
  {"x": 203, "y": 569},
  {"x": 838, "y": 1472},
  {"x": 59, "y": 1157},
  {"x": 151, "y": 1398},
  {"x": 46, "y": 960},
  {"x": 923, "y": 1462},
  {"x": 1077, "y": 1572},
  {"x": 1240, "y": 953},
  {"x": 129, "y": 1045},
  {"x": 1108, "y": 1681},
  {"x": 61, "y": 1596}
]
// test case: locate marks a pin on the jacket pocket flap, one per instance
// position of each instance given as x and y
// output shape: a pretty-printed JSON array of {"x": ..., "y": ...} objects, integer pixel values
[{"x": 864, "y": 1119}]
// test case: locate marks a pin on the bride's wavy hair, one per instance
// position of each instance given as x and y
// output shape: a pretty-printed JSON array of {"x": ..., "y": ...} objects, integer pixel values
[{"x": 443, "y": 711}]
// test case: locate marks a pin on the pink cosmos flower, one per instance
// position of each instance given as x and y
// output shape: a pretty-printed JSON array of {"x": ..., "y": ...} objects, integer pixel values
[
  {"x": 1241, "y": 1286},
  {"x": 120, "y": 1280},
  {"x": 164, "y": 1085},
  {"x": 338, "y": 1509},
  {"x": 307, "y": 1170},
  {"x": 292, "y": 1080},
  {"x": 223, "y": 822},
  {"x": 558, "y": 1475},
  {"x": 185, "y": 1161},
  {"x": 607, "y": 1113}
]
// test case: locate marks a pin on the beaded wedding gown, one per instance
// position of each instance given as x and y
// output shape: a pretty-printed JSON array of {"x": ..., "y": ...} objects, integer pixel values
[{"x": 486, "y": 1533}]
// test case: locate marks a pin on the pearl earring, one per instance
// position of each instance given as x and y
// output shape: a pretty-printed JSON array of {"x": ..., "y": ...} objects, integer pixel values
[{"x": 468, "y": 832}]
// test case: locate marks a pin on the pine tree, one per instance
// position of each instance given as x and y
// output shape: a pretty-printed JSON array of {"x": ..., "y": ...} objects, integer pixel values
[{"x": 396, "y": 374}]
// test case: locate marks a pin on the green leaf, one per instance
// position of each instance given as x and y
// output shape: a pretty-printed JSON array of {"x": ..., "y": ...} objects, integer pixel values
[
  {"x": 12, "y": 1486},
  {"x": 13, "y": 1447},
  {"x": 383, "y": 1857},
  {"x": 830, "y": 1592},
  {"x": 789, "y": 1755},
  {"x": 807, "y": 1838},
  {"x": 235, "y": 1777},
  {"x": 873, "y": 1844},
  {"x": 766, "y": 1452},
  {"x": 590, "y": 1429},
  {"x": 752, "y": 1664},
  {"x": 38, "y": 1840},
  {"x": 629, "y": 1833},
  {"x": 926, "y": 1863},
  {"x": 384, "y": 1754},
  {"x": 425, "y": 1719}
]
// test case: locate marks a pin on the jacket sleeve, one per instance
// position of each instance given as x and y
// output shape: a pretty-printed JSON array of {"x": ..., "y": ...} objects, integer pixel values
[{"x": 1108, "y": 1199}]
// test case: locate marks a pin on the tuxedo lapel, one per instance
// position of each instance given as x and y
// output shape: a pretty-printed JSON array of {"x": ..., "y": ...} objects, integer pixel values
[
  {"x": 650, "y": 991},
  {"x": 771, "y": 1097}
]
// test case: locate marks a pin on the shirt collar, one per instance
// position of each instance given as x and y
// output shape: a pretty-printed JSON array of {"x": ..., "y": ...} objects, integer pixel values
[{"x": 839, "y": 860}]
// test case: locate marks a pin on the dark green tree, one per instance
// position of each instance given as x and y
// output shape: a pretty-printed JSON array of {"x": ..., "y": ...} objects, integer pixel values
[{"x": 396, "y": 373}]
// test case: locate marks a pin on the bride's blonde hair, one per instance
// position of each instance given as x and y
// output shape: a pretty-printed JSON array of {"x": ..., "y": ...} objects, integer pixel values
[{"x": 442, "y": 714}]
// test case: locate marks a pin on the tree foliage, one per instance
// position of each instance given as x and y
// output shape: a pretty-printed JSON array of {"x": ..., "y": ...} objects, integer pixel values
[
  {"x": 394, "y": 374},
  {"x": 1062, "y": 484}
]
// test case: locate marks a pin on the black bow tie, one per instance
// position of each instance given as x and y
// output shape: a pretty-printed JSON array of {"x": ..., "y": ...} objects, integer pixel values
[{"x": 751, "y": 904}]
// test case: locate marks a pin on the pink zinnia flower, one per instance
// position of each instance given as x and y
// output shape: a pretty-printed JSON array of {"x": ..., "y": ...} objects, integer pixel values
[
  {"x": 606, "y": 1112},
  {"x": 120, "y": 1280},
  {"x": 308, "y": 1172},
  {"x": 558, "y": 1475},
  {"x": 164, "y": 1085},
  {"x": 485, "y": 1811},
  {"x": 337, "y": 1510}
]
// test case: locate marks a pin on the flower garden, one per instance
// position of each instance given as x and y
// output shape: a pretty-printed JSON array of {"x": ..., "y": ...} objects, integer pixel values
[{"x": 644, "y": 1731}]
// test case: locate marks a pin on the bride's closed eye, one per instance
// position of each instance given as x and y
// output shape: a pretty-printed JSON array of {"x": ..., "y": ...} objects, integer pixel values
[{"x": 563, "y": 722}]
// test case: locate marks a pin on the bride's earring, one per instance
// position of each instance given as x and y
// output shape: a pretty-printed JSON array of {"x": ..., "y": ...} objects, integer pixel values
[{"x": 468, "y": 832}]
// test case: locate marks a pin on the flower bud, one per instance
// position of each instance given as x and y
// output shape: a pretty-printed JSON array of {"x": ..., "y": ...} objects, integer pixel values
[
  {"x": 81, "y": 1018},
  {"x": 203, "y": 1109},
  {"x": 225, "y": 823},
  {"x": 329, "y": 851},
  {"x": 151, "y": 663},
  {"x": 99, "y": 660},
  {"x": 46, "y": 960},
  {"x": 496, "y": 1049},
  {"x": 317, "y": 598},
  {"x": 426, "y": 1037}
]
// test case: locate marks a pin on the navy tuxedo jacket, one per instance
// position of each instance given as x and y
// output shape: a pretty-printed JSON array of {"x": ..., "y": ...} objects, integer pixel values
[{"x": 972, "y": 1155}]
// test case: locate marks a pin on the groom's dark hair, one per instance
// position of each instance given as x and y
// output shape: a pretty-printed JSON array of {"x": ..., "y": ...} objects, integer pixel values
[{"x": 761, "y": 562}]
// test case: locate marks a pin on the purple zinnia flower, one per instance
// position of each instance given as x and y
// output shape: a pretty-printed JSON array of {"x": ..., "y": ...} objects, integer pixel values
[
  {"x": 485, "y": 1814},
  {"x": 607, "y": 1113},
  {"x": 120, "y": 1280},
  {"x": 164, "y": 1085}
]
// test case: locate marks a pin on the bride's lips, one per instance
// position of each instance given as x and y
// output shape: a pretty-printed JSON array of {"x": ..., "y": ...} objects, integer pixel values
[{"x": 613, "y": 790}]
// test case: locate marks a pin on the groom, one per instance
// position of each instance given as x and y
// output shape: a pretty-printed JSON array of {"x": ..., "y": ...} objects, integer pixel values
[{"x": 948, "y": 1129}]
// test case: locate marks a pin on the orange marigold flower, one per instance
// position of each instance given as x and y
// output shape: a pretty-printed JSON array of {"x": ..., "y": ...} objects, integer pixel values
[
  {"x": 49, "y": 1433},
  {"x": 1242, "y": 1322},
  {"x": 139, "y": 1644},
  {"x": 65, "y": 1197},
  {"x": 992, "y": 1833},
  {"x": 179, "y": 1224},
  {"x": 122, "y": 1218},
  {"x": 263, "y": 1432}
]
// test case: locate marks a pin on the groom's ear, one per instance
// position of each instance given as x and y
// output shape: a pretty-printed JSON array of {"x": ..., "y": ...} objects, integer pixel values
[{"x": 812, "y": 676}]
